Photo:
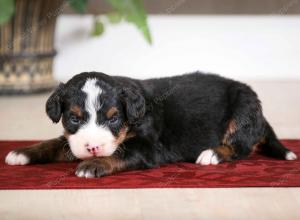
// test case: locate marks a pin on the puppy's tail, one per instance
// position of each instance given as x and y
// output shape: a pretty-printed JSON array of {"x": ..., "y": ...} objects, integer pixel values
[{"x": 271, "y": 146}]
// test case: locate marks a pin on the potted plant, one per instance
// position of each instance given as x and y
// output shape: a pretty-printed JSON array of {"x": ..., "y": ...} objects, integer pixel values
[{"x": 27, "y": 38}]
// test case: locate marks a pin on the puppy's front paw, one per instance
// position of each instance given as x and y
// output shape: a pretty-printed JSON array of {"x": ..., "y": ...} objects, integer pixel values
[
  {"x": 92, "y": 168},
  {"x": 16, "y": 158}
]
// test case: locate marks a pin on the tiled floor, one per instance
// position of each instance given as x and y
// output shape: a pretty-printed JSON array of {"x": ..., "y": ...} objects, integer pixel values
[{"x": 25, "y": 118}]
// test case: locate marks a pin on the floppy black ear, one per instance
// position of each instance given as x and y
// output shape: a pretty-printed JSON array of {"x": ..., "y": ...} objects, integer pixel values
[
  {"x": 134, "y": 104},
  {"x": 54, "y": 104}
]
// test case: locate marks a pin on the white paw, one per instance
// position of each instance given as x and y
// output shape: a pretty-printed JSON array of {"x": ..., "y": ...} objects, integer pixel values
[
  {"x": 14, "y": 158},
  {"x": 290, "y": 156},
  {"x": 86, "y": 174},
  {"x": 207, "y": 157}
]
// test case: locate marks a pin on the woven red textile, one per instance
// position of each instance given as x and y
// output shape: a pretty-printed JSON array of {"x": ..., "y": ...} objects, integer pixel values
[{"x": 256, "y": 171}]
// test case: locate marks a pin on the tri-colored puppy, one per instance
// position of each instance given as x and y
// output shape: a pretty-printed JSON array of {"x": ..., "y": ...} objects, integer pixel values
[{"x": 117, "y": 123}]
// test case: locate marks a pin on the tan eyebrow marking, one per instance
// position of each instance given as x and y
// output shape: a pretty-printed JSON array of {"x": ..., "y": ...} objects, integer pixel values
[
  {"x": 111, "y": 112},
  {"x": 76, "y": 110}
]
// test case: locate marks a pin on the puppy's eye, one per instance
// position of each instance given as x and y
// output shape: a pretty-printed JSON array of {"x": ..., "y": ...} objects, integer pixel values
[
  {"x": 74, "y": 120},
  {"x": 114, "y": 119}
]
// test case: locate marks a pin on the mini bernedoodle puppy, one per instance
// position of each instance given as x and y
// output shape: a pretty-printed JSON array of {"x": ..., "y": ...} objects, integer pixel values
[{"x": 116, "y": 123}]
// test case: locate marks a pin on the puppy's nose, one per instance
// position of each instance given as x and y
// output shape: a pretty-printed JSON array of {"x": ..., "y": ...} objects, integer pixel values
[{"x": 92, "y": 149}]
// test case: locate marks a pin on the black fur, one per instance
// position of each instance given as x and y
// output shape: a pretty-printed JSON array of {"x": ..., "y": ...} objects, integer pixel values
[{"x": 173, "y": 119}]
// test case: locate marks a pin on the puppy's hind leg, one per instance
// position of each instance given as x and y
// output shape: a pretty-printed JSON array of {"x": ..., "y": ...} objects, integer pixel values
[
  {"x": 244, "y": 128},
  {"x": 233, "y": 146}
]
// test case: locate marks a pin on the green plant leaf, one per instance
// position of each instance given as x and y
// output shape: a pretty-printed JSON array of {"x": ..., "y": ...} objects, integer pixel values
[
  {"x": 7, "y": 9},
  {"x": 98, "y": 28},
  {"x": 79, "y": 5},
  {"x": 134, "y": 12},
  {"x": 114, "y": 17}
]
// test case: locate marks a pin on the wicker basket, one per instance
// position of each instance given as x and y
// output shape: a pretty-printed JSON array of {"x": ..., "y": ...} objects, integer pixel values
[{"x": 26, "y": 47}]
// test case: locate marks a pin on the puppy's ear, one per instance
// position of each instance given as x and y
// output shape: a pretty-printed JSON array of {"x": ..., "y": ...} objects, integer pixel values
[
  {"x": 134, "y": 104},
  {"x": 54, "y": 104}
]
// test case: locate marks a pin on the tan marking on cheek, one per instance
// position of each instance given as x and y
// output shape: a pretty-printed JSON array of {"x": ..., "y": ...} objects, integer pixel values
[
  {"x": 124, "y": 135},
  {"x": 66, "y": 134},
  {"x": 76, "y": 110},
  {"x": 111, "y": 112},
  {"x": 130, "y": 135}
]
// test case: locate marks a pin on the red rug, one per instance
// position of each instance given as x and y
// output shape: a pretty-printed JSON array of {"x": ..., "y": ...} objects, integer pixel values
[{"x": 256, "y": 171}]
